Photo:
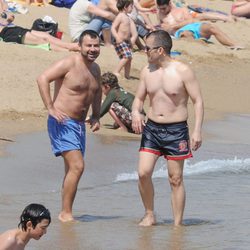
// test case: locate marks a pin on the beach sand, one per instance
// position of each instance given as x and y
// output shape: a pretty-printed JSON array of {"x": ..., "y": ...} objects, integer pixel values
[
  {"x": 102, "y": 202},
  {"x": 222, "y": 73}
]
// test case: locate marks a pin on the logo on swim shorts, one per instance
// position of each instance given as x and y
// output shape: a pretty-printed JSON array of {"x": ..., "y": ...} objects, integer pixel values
[{"x": 183, "y": 146}]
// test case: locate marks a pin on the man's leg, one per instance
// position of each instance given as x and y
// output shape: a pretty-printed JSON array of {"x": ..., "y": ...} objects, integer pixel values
[
  {"x": 213, "y": 16},
  {"x": 106, "y": 33},
  {"x": 55, "y": 42},
  {"x": 207, "y": 30},
  {"x": 146, "y": 166},
  {"x": 74, "y": 166},
  {"x": 175, "y": 175}
]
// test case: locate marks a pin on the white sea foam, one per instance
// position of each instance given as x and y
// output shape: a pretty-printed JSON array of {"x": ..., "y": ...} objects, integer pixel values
[{"x": 210, "y": 166}]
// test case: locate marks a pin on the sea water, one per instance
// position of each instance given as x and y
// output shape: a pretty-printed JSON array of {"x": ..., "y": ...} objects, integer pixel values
[{"x": 108, "y": 205}]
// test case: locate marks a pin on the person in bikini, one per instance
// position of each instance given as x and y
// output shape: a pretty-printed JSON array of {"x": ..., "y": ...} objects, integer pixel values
[{"x": 168, "y": 84}]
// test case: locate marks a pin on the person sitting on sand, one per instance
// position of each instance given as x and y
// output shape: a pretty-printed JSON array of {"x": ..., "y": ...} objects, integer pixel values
[
  {"x": 118, "y": 102},
  {"x": 241, "y": 8},
  {"x": 16, "y": 34},
  {"x": 177, "y": 24},
  {"x": 80, "y": 16},
  {"x": 34, "y": 222}
]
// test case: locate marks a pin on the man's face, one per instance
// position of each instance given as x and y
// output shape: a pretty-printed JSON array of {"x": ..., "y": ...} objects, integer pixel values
[
  {"x": 152, "y": 50},
  {"x": 90, "y": 48},
  {"x": 164, "y": 9}
]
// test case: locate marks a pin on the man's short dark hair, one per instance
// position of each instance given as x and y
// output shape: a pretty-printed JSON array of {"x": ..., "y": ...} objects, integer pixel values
[
  {"x": 109, "y": 79},
  {"x": 162, "y": 2},
  {"x": 121, "y": 4},
  {"x": 90, "y": 33},
  {"x": 161, "y": 39},
  {"x": 34, "y": 213}
]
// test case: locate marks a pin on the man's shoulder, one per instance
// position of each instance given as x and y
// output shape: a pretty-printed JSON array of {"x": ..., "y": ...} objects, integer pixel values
[{"x": 181, "y": 67}]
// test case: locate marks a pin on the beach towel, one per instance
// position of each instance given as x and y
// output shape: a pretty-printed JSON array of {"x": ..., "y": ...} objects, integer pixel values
[
  {"x": 45, "y": 46},
  {"x": 200, "y": 9}
]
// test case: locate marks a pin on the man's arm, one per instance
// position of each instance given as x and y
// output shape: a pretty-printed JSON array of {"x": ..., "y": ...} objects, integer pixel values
[
  {"x": 55, "y": 72},
  {"x": 194, "y": 92},
  {"x": 96, "y": 104},
  {"x": 111, "y": 5},
  {"x": 95, "y": 10},
  {"x": 137, "y": 107},
  {"x": 134, "y": 33}
]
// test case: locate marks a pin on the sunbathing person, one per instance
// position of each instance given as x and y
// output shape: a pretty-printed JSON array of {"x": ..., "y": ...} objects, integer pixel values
[
  {"x": 241, "y": 8},
  {"x": 16, "y": 34},
  {"x": 177, "y": 24}
]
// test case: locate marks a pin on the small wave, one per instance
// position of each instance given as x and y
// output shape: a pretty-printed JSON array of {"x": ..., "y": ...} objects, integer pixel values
[{"x": 210, "y": 166}]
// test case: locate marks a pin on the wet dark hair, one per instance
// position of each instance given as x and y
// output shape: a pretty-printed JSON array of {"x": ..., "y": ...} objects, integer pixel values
[
  {"x": 162, "y": 2},
  {"x": 90, "y": 33},
  {"x": 121, "y": 4},
  {"x": 109, "y": 79},
  {"x": 161, "y": 39},
  {"x": 34, "y": 213}
]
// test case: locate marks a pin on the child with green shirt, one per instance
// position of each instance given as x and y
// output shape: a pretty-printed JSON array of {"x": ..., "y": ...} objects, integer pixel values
[{"x": 118, "y": 102}]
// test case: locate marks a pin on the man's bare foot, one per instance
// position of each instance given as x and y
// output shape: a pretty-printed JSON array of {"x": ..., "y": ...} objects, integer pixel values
[
  {"x": 236, "y": 47},
  {"x": 64, "y": 217},
  {"x": 148, "y": 220}
]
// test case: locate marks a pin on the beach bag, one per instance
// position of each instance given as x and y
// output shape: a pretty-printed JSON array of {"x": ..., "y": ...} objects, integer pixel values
[{"x": 49, "y": 27}]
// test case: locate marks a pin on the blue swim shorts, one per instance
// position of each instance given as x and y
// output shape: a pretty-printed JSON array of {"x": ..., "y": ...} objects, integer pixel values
[
  {"x": 67, "y": 135},
  {"x": 170, "y": 140},
  {"x": 192, "y": 27}
]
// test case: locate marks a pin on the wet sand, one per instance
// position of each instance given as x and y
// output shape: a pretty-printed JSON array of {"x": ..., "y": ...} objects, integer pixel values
[{"x": 108, "y": 205}]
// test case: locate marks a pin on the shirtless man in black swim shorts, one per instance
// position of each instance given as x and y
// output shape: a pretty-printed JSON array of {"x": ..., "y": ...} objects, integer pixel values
[{"x": 168, "y": 84}]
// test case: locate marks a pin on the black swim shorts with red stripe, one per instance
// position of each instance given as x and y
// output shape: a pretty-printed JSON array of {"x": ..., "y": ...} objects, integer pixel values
[{"x": 170, "y": 140}]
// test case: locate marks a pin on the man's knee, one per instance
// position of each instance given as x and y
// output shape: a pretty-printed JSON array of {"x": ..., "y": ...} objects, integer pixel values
[
  {"x": 144, "y": 175},
  {"x": 76, "y": 167},
  {"x": 175, "y": 180}
]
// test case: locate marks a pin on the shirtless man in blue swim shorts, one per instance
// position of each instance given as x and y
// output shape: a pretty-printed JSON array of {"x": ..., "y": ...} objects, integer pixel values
[
  {"x": 179, "y": 22},
  {"x": 77, "y": 87},
  {"x": 168, "y": 84}
]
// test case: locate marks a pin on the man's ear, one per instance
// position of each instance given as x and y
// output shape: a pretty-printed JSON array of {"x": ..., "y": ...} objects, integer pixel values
[{"x": 29, "y": 225}]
